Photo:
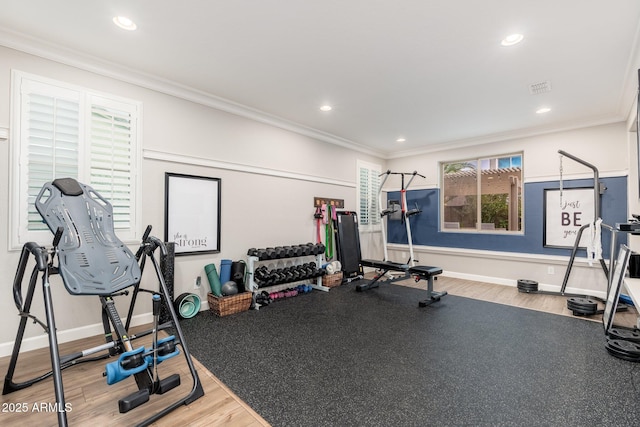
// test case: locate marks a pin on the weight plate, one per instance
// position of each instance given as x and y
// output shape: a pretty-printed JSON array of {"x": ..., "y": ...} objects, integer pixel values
[
  {"x": 624, "y": 334},
  {"x": 622, "y": 346},
  {"x": 586, "y": 309},
  {"x": 622, "y": 356},
  {"x": 583, "y": 313},
  {"x": 525, "y": 285},
  {"x": 578, "y": 301}
]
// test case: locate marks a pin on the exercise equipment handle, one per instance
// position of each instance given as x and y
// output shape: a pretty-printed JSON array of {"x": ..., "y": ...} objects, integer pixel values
[
  {"x": 40, "y": 255},
  {"x": 596, "y": 181},
  {"x": 145, "y": 236},
  {"x": 158, "y": 243},
  {"x": 58, "y": 236},
  {"x": 38, "y": 252}
]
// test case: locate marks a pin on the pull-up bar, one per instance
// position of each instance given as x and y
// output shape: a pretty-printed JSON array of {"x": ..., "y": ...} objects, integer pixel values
[
  {"x": 596, "y": 182},
  {"x": 403, "y": 195}
]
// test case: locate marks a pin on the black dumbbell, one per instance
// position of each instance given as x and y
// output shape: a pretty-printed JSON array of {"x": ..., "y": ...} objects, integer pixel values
[
  {"x": 271, "y": 253},
  {"x": 288, "y": 251},
  {"x": 252, "y": 252},
  {"x": 279, "y": 252}
]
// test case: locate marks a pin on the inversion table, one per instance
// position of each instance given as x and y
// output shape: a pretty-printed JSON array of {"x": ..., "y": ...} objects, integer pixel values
[{"x": 91, "y": 260}]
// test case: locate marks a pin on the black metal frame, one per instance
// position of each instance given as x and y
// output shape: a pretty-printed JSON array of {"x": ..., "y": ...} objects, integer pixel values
[{"x": 217, "y": 183}]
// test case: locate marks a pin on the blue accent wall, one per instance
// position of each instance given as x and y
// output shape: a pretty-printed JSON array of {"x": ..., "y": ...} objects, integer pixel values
[{"x": 425, "y": 226}]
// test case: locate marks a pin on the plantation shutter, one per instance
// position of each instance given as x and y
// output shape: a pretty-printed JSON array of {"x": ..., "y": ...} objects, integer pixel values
[
  {"x": 65, "y": 131},
  {"x": 111, "y": 135},
  {"x": 52, "y": 129},
  {"x": 368, "y": 186},
  {"x": 364, "y": 196}
]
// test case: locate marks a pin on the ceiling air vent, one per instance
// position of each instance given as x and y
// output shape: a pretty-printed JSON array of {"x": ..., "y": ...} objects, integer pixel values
[{"x": 540, "y": 87}]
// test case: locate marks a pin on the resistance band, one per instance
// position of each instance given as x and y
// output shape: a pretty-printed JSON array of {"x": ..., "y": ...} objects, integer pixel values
[
  {"x": 329, "y": 232},
  {"x": 318, "y": 216}
]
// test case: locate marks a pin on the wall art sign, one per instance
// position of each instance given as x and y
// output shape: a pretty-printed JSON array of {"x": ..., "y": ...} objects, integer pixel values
[
  {"x": 565, "y": 212},
  {"x": 192, "y": 213}
]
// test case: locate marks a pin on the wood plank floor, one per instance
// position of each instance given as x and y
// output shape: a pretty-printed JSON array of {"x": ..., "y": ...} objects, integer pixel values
[{"x": 93, "y": 402}]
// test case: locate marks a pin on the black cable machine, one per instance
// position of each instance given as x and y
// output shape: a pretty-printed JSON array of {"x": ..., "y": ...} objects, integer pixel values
[
  {"x": 350, "y": 256},
  {"x": 91, "y": 260}
]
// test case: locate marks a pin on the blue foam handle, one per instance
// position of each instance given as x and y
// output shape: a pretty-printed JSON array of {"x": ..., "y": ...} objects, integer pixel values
[
  {"x": 149, "y": 358},
  {"x": 115, "y": 371}
]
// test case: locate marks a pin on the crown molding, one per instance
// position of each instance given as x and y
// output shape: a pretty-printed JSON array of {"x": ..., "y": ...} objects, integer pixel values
[
  {"x": 66, "y": 56},
  {"x": 505, "y": 136},
  {"x": 54, "y": 52}
]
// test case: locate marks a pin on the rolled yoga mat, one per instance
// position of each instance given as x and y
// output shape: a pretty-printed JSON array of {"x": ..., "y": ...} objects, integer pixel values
[
  {"x": 225, "y": 270},
  {"x": 237, "y": 274},
  {"x": 214, "y": 279}
]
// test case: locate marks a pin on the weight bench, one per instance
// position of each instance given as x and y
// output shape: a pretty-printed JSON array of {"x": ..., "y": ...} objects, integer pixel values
[
  {"x": 91, "y": 260},
  {"x": 419, "y": 272}
]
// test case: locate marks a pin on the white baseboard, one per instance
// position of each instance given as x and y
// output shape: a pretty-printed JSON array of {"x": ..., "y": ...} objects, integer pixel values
[{"x": 514, "y": 283}]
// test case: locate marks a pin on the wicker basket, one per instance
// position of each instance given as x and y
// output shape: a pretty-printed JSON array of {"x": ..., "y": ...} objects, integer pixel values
[
  {"x": 224, "y": 306},
  {"x": 332, "y": 280}
]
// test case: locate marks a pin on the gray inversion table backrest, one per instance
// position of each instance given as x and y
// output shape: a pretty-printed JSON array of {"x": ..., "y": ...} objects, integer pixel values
[{"x": 92, "y": 260}]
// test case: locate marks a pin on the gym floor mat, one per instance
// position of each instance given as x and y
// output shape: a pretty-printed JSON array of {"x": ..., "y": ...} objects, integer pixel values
[{"x": 375, "y": 358}]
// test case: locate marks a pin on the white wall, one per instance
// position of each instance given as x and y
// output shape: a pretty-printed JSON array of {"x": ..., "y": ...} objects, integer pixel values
[
  {"x": 269, "y": 178},
  {"x": 606, "y": 147}
]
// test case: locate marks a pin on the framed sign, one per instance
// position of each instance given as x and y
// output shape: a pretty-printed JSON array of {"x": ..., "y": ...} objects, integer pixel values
[
  {"x": 192, "y": 213},
  {"x": 565, "y": 212}
]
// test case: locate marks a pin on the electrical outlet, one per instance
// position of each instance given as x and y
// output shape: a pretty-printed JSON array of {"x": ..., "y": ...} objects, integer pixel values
[
  {"x": 550, "y": 270},
  {"x": 197, "y": 282}
]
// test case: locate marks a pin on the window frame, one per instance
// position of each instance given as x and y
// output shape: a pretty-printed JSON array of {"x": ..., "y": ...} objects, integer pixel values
[
  {"x": 479, "y": 229},
  {"x": 19, "y": 232}
]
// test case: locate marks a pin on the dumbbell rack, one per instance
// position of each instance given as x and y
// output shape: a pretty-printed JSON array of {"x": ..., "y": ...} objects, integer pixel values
[{"x": 254, "y": 261}]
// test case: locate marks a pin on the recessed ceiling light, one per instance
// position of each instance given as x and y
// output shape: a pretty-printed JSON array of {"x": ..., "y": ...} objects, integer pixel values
[
  {"x": 124, "y": 23},
  {"x": 400, "y": 139},
  {"x": 543, "y": 110},
  {"x": 512, "y": 39},
  {"x": 326, "y": 108}
]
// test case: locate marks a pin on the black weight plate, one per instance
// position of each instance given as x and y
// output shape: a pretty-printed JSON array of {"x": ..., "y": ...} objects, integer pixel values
[
  {"x": 521, "y": 284},
  {"x": 626, "y": 347},
  {"x": 584, "y": 309},
  {"x": 582, "y": 313},
  {"x": 622, "y": 356},
  {"x": 527, "y": 285},
  {"x": 581, "y": 302},
  {"x": 624, "y": 334}
]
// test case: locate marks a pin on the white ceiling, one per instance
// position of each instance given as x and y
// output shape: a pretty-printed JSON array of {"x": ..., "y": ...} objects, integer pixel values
[{"x": 431, "y": 71}]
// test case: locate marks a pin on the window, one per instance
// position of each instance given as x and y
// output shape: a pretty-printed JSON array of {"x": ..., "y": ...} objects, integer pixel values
[
  {"x": 368, "y": 188},
  {"x": 60, "y": 130},
  {"x": 483, "y": 194}
]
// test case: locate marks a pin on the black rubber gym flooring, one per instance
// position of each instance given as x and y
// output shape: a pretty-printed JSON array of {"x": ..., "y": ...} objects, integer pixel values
[{"x": 346, "y": 358}]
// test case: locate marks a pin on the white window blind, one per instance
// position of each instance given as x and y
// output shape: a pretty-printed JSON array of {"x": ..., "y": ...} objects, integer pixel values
[
  {"x": 66, "y": 131},
  {"x": 111, "y": 159},
  {"x": 51, "y": 146},
  {"x": 368, "y": 187}
]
